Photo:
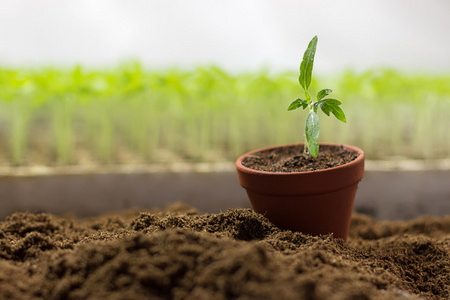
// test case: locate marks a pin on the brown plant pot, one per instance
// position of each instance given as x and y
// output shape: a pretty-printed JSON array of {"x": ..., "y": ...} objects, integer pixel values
[{"x": 314, "y": 202}]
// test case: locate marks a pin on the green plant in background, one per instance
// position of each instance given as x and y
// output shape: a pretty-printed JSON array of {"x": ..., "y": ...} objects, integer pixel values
[
  {"x": 327, "y": 105},
  {"x": 57, "y": 116}
]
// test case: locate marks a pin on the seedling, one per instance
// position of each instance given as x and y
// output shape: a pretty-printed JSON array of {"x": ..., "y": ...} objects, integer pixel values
[{"x": 327, "y": 105}]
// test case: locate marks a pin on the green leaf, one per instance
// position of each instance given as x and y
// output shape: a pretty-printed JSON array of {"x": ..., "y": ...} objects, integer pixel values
[
  {"x": 332, "y": 101},
  {"x": 307, "y": 64},
  {"x": 323, "y": 93},
  {"x": 298, "y": 103},
  {"x": 324, "y": 104},
  {"x": 338, "y": 113},
  {"x": 332, "y": 105},
  {"x": 312, "y": 130}
]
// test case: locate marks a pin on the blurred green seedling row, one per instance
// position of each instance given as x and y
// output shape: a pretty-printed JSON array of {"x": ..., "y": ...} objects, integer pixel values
[{"x": 57, "y": 116}]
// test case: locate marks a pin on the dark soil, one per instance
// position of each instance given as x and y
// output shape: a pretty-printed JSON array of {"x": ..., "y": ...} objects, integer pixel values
[
  {"x": 291, "y": 159},
  {"x": 179, "y": 254}
]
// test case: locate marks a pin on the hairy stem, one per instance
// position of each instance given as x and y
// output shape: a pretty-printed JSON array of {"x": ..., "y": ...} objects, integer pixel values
[{"x": 305, "y": 148}]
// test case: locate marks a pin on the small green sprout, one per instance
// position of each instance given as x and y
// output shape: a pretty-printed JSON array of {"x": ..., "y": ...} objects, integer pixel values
[{"x": 326, "y": 104}]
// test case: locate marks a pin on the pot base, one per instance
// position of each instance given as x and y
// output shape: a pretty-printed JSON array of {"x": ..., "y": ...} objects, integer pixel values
[{"x": 314, "y": 214}]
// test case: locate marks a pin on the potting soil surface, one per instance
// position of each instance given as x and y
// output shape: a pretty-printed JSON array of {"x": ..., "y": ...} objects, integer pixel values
[
  {"x": 291, "y": 159},
  {"x": 177, "y": 253}
]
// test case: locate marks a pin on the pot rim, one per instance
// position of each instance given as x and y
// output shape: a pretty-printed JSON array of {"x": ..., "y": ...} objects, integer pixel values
[{"x": 245, "y": 169}]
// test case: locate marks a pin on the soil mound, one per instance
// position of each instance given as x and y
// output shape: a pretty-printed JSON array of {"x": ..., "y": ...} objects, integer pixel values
[{"x": 177, "y": 253}]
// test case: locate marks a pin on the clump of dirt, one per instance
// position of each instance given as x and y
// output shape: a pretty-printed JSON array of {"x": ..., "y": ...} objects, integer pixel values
[
  {"x": 291, "y": 159},
  {"x": 177, "y": 253}
]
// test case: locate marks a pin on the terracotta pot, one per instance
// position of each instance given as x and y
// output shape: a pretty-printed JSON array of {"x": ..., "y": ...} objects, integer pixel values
[{"x": 314, "y": 202}]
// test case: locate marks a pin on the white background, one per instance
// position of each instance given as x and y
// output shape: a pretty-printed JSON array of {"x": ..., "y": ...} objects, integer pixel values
[{"x": 238, "y": 35}]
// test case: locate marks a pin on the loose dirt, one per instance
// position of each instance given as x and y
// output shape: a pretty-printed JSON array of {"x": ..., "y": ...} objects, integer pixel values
[
  {"x": 177, "y": 253},
  {"x": 291, "y": 159}
]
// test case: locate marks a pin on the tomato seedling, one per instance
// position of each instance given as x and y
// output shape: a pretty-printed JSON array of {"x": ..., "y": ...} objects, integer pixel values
[{"x": 327, "y": 105}]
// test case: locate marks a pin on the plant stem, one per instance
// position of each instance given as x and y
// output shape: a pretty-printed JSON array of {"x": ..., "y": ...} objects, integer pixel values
[
  {"x": 305, "y": 147},
  {"x": 308, "y": 96}
]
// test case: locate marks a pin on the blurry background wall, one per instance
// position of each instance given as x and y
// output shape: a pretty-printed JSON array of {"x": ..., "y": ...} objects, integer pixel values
[{"x": 237, "y": 35}]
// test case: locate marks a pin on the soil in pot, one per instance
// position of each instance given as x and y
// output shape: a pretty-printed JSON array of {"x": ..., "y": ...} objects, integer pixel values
[
  {"x": 180, "y": 254},
  {"x": 291, "y": 159}
]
